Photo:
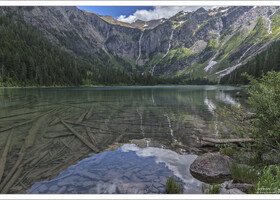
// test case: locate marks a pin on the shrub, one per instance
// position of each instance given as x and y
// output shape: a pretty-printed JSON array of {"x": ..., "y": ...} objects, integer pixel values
[
  {"x": 244, "y": 173},
  {"x": 173, "y": 187},
  {"x": 269, "y": 181},
  {"x": 213, "y": 189},
  {"x": 229, "y": 151},
  {"x": 265, "y": 100}
]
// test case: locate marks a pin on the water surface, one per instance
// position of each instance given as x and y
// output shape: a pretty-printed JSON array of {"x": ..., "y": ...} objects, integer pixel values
[{"x": 150, "y": 129}]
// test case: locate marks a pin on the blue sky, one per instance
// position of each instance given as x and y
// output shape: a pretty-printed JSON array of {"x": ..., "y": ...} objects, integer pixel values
[
  {"x": 132, "y": 13},
  {"x": 114, "y": 11}
]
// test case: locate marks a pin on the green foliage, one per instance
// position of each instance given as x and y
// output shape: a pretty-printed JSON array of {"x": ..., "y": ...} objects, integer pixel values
[
  {"x": 244, "y": 173},
  {"x": 173, "y": 187},
  {"x": 178, "y": 54},
  {"x": 213, "y": 189},
  {"x": 264, "y": 126},
  {"x": 269, "y": 181},
  {"x": 265, "y": 61},
  {"x": 28, "y": 59},
  {"x": 258, "y": 33},
  {"x": 228, "y": 151},
  {"x": 275, "y": 26},
  {"x": 265, "y": 100},
  {"x": 212, "y": 44}
]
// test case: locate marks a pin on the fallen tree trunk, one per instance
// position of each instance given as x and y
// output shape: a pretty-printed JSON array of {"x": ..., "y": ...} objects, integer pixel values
[
  {"x": 25, "y": 122},
  {"x": 30, "y": 138},
  {"x": 81, "y": 118},
  {"x": 225, "y": 141},
  {"x": 89, "y": 113},
  {"x": 12, "y": 181},
  {"x": 15, "y": 167},
  {"x": 4, "y": 154},
  {"x": 78, "y": 135}
]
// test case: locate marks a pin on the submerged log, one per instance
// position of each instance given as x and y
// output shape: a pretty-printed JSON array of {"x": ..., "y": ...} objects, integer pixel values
[
  {"x": 57, "y": 134},
  {"x": 25, "y": 122},
  {"x": 88, "y": 125},
  {"x": 15, "y": 167},
  {"x": 78, "y": 135},
  {"x": 15, "y": 125},
  {"x": 225, "y": 141},
  {"x": 4, "y": 154},
  {"x": 55, "y": 121},
  {"x": 30, "y": 138},
  {"x": 12, "y": 181},
  {"x": 89, "y": 133},
  {"x": 81, "y": 118},
  {"x": 89, "y": 113}
]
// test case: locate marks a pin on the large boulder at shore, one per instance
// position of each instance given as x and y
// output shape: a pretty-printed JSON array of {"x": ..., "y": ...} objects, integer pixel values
[{"x": 211, "y": 168}]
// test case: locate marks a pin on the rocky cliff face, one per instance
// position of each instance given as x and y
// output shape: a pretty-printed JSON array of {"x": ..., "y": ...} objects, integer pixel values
[{"x": 204, "y": 43}]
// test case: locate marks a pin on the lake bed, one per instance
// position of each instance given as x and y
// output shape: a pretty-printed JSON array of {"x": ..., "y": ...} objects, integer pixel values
[{"x": 107, "y": 139}]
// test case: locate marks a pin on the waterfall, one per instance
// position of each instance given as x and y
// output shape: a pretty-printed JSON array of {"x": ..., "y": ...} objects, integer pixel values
[
  {"x": 139, "y": 48},
  {"x": 212, "y": 62},
  {"x": 167, "y": 52},
  {"x": 169, "y": 124},
  {"x": 169, "y": 44},
  {"x": 245, "y": 53},
  {"x": 230, "y": 69},
  {"x": 270, "y": 22}
]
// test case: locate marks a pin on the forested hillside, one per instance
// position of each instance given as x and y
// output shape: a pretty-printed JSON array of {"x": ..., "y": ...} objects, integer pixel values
[
  {"x": 266, "y": 61},
  {"x": 28, "y": 59}
]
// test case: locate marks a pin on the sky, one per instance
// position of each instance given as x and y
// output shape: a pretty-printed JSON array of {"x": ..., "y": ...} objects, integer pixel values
[{"x": 132, "y": 13}]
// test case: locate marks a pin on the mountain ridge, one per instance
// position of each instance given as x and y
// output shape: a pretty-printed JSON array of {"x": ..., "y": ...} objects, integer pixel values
[{"x": 201, "y": 44}]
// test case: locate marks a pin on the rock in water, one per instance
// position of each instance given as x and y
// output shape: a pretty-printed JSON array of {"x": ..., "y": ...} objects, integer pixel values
[
  {"x": 211, "y": 168},
  {"x": 232, "y": 191}
]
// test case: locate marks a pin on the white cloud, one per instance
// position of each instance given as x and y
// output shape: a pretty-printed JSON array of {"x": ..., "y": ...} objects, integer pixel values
[{"x": 158, "y": 12}]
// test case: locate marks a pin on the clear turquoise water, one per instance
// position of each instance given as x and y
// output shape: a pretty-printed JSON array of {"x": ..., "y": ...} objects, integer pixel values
[{"x": 154, "y": 130}]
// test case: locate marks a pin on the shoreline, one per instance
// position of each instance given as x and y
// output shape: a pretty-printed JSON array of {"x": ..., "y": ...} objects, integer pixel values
[{"x": 95, "y": 86}]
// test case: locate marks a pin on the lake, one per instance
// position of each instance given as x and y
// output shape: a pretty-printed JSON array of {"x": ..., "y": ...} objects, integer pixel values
[{"x": 96, "y": 140}]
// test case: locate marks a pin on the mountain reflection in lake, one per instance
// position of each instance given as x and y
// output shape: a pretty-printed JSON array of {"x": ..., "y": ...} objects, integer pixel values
[
  {"x": 130, "y": 170},
  {"x": 53, "y": 129}
]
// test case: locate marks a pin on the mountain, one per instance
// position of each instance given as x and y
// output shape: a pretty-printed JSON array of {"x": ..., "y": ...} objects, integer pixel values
[{"x": 201, "y": 44}]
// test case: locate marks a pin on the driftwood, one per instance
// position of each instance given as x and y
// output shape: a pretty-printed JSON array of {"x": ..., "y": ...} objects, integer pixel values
[
  {"x": 88, "y": 125},
  {"x": 67, "y": 145},
  {"x": 225, "y": 141},
  {"x": 40, "y": 157},
  {"x": 57, "y": 134},
  {"x": 55, "y": 121},
  {"x": 78, "y": 135},
  {"x": 30, "y": 138},
  {"x": 12, "y": 181},
  {"x": 15, "y": 125},
  {"x": 15, "y": 167},
  {"x": 89, "y": 113},
  {"x": 4, "y": 154},
  {"x": 91, "y": 136},
  {"x": 21, "y": 114},
  {"x": 81, "y": 118},
  {"x": 25, "y": 122}
]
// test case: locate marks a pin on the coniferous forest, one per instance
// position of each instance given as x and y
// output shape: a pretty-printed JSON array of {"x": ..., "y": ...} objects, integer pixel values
[
  {"x": 268, "y": 60},
  {"x": 27, "y": 59}
]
